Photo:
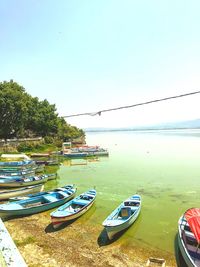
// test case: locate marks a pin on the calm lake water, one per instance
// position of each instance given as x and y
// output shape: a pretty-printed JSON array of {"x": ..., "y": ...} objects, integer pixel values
[{"x": 162, "y": 166}]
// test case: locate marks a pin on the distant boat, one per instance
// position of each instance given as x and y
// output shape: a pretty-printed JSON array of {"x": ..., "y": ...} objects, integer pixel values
[
  {"x": 100, "y": 152},
  {"x": 8, "y": 193},
  {"x": 6, "y": 181},
  {"x": 123, "y": 216},
  {"x": 93, "y": 150},
  {"x": 75, "y": 154},
  {"x": 189, "y": 236},
  {"x": 38, "y": 202},
  {"x": 73, "y": 209}
]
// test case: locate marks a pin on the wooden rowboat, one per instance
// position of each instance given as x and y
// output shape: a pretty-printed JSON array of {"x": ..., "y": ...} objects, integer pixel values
[
  {"x": 123, "y": 216},
  {"x": 73, "y": 209},
  {"x": 38, "y": 202}
]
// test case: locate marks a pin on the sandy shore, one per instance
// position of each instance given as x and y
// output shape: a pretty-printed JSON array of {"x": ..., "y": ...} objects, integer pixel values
[{"x": 76, "y": 244}]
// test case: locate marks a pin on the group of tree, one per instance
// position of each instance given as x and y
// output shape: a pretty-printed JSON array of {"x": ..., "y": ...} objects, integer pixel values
[{"x": 25, "y": 116}]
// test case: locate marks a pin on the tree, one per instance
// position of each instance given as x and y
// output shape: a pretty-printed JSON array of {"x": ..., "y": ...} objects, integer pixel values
[
  {"x": 23, "y": 115},
  {"x": 67, "y": 132},
  {"x": 42, "y": 118},
  {"x": 13, "y": 109}
]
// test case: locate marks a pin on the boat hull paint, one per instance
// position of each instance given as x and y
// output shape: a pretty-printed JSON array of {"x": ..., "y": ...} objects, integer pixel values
[
  {"x": 34, "y": 209},
  {"x": 73, "y": 209},
  {"x": 113, "y": 230},
  {"x": 57, "y": 221},
  {"x": 5, "y": 194}
]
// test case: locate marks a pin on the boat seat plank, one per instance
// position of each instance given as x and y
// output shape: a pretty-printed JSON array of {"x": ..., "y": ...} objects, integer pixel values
[
  {"x": 63, "y": 194},
  {"x": 81, "y": 202},
  {"x": 49, "y": 198}
]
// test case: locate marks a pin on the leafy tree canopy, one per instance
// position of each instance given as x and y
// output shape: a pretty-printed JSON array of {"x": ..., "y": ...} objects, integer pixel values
[{"x": 23, "y": 115}]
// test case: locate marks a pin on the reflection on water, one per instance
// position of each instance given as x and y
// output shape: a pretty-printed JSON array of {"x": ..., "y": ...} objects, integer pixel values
[{"x": 163, "y": 167}]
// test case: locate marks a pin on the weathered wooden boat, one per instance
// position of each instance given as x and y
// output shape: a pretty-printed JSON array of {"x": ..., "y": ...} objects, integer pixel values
[
  {"x": 6, "y": 181},
  {"x": 123, "y": 216},
  {"x": 73, "y": 209},
  {"x": 189, "y": 237},
  {"x": 38, "y": 202},
  {"x": 8, "y": 193}
]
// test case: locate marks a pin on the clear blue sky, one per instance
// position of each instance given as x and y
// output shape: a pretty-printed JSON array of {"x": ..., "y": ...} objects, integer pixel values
[{"x": 90, "y": 55}]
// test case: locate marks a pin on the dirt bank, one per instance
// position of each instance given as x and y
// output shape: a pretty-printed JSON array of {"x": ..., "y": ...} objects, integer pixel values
[{"x": 76, "y": 244}]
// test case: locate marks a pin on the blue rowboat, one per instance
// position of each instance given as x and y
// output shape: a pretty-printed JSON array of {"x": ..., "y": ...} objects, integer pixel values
[
  {"x": 8, "y": 193},
  {"x": 18, "y": 173},
  {"x": 38, "y": 202},
  {"x": 73, "y": 209},
  {"x": 17, "y": 163},
  {"x": 123, "y": 216},
  {"x": 10, "y": 181}
]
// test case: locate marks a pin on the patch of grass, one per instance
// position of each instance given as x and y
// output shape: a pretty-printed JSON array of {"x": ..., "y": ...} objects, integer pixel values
[{"x": 26, "y": 241}]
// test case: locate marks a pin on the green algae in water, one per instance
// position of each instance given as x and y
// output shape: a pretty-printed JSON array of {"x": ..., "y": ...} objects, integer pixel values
[{"x": 163, "y": 168}]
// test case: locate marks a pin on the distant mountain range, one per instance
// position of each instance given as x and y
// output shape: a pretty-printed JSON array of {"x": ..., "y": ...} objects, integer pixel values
[{"x": 191, "y": 124}]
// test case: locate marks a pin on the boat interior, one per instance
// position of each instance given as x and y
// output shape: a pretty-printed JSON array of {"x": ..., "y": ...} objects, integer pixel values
[
  {"x": 131, "y": 203},
  {"x": 191, "y": 245},
  {"x": 42, "y": 200}
]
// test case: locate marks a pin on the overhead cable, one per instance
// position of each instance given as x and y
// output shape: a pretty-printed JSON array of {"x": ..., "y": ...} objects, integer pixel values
[{"x": 130, "y": 106}]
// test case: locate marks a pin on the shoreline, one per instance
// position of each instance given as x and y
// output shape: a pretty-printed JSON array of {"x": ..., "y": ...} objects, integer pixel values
[{"x": 76, "y": 244}]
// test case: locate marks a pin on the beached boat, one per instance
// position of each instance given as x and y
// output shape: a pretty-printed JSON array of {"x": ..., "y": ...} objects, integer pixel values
[
  {"x": 38, "y": 202},
  {"x": 73, "y": 209},
  {"x": 7, "y": 181},
  {"x": 189, "y": 237},
  {"x": 8, "y": 193},
  {"x": 123, "y": 216},
  {"x": 100, "y": 152}
]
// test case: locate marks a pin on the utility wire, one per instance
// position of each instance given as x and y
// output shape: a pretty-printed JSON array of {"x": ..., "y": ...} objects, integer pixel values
[{"x": 131, "y": 106}]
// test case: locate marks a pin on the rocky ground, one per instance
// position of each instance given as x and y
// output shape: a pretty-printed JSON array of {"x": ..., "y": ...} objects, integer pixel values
[{"x": 76, "y": 244}]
